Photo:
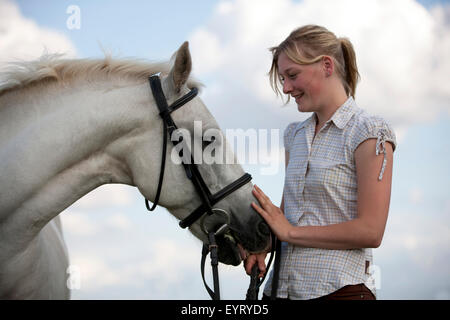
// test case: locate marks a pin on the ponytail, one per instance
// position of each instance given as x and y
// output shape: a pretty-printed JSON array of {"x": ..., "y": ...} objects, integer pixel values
[{"x": 351, "y": 69}]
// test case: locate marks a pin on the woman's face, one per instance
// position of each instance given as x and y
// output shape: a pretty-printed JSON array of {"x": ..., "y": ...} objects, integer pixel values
[{"x": 302, "y": 82}]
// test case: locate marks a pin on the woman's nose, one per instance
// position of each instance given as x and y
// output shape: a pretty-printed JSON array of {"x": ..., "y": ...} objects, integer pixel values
[{"x": 287, "y": 87}]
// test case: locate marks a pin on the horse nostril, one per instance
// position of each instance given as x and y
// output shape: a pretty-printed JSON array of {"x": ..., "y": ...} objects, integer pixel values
[{"x": 263, "y": 229}]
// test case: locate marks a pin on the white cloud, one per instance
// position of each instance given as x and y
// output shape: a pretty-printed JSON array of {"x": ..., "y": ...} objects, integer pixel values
[
  {"x": 88, "y": 223},
  {"x": 162, "y": 265},
  {"x": 120, "y": 221},
  {"x": 211, "y": 55},
  {"x": 78, "y": 223},
  {"x": 400, "y": 49},
  {"x": 414, "y": 256},
  {"x": 166, "y": 258},
  {"x": 425, "y": 238},
  {"x": 22, "y": 38},
  {"x": 95, "y": 272},
  {"x": 106, "y": 195}
]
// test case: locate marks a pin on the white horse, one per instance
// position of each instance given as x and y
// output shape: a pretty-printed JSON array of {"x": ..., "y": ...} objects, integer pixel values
[{"x": 70, "y": 126}]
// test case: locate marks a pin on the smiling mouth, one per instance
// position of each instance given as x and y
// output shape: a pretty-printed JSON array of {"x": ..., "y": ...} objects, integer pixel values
[{"x": 298, "y": 96}]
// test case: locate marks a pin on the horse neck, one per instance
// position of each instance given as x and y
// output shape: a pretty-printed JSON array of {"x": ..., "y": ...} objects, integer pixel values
[{"x": 54, "y": 148}]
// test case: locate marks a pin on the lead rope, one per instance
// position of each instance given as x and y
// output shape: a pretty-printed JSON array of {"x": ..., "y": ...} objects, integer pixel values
[
  {"x": 212, "y": 249},
  {"x": 255, "y": 282},
  {"x": 253, "y": 288}
]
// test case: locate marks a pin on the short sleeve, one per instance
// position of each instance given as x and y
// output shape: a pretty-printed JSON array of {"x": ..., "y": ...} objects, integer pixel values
[
  {"x": 375, "y": 128},
  {"x": 289, "y": 135}
]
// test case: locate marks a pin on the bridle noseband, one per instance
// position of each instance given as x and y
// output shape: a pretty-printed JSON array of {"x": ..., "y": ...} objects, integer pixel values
[{"x": 193, "y": 174}]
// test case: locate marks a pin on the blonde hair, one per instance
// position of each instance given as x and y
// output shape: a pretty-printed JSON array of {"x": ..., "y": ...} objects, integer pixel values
[{"x": 308, "y": 45}]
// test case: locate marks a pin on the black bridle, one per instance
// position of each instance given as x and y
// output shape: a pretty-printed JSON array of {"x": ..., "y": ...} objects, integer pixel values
[{"x": 193, "y": 174}]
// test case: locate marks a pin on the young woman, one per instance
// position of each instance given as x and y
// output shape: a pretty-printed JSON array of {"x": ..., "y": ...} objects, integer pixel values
[{"x": 338, "y": 174}]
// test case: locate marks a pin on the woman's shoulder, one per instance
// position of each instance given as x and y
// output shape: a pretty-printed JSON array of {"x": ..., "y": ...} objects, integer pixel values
[
  {"x": 363, "y": 120},
  {"x": 364, "y": 125}
]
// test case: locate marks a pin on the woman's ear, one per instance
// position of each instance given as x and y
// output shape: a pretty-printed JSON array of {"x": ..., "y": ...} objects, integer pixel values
[{"x": 328, "y": 66}]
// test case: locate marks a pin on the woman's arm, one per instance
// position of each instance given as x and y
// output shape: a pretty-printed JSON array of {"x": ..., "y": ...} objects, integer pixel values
[{"x": 366, "y": 231}]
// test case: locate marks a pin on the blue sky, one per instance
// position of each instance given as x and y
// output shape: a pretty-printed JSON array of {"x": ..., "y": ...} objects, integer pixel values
[
  {"x": 131, "y": 27},
  {"x": 402, "y": 47}
]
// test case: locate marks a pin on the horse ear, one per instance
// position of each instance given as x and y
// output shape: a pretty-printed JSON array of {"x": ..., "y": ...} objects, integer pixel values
[{"x": 182, "y": 68}]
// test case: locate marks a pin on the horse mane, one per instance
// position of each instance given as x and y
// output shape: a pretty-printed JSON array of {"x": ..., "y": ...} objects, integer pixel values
[{"x": 52, "y": 68}]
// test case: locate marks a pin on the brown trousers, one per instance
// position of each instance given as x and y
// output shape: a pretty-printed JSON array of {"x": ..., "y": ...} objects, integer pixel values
[{"x": 351, "y": 292}]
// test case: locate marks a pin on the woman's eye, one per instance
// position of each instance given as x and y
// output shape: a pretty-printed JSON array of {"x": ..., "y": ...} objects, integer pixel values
[{"x": 292, "y": 76}]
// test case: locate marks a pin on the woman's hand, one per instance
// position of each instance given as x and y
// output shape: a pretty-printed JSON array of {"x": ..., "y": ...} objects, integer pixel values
[
  {"x": 256, "y": 258},
  {"x": 272, "y": 215}
]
